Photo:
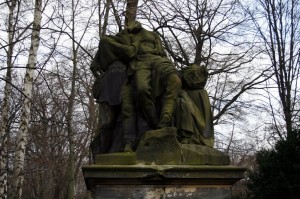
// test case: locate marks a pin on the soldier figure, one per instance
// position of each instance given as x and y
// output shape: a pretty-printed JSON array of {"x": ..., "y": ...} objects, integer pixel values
[
  {"x": 153, "y": 75},
  {"x": 150, "y": 74}
]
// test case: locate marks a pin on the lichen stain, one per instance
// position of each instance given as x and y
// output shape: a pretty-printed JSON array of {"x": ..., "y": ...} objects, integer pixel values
[
  {"x": 180, "y": 192},
  {"x": 154, "y": 194}
]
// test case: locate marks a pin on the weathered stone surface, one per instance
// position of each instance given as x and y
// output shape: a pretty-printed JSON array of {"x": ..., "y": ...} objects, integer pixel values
[
  {"x": 193, "y": 154},
  {"x": 161, "y": 181},
  {"x": 116, "y": 158},
  {"x": 159, "y": 192},
  {"x": 159, "y": 147},
  {"x": 161, "y": 174},
  {"x": 203, "y": 192},
  {"x": 128, "y": 191}
]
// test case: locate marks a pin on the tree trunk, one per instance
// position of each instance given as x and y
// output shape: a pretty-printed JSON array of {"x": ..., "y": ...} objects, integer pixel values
[
  {"x": 71, "y": 161},
  {"x": 104, "y": 27},
  {"x": 131, "y": 10},
  {"x": 5, "y": 105},
  {"x": 18, "y": 175}
]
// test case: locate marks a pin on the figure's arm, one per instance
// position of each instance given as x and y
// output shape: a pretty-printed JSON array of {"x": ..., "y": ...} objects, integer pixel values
[
  {"x": 159, "y": 49},
  {"x": 131, "y": 44},
  {"x": 135, "y": 43}
]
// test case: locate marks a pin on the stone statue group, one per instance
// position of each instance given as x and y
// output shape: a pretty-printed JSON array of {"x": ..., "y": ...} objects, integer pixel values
[{"x": 139, "y": 89}]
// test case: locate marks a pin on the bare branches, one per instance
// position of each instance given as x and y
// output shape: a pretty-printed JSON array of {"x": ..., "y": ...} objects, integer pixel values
[{"x": 279, "y": 37}]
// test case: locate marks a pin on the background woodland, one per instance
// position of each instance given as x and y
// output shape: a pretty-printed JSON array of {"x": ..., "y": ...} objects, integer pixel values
[{"x": 48, "y": 116}]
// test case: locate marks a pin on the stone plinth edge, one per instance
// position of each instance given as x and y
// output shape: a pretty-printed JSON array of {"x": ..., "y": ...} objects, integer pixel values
[{"x": 161, "y": 175}]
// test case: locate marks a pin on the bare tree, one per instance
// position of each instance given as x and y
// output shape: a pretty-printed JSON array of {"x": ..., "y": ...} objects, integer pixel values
[
  {"x": 210, "y": 33},
  {"x": 213, "y": 34},
  {"x": 28, "y": 82},
  {"x": 278, "y": 26},
  {"x": 46, "y": 151},
  {"x": 5, "y": 104},
  {"x": 71, "y": 24},
  {"x": 56, "y": 24}
]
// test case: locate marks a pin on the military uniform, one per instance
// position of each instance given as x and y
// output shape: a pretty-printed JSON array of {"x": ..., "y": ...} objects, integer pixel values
[
  {"x": 151, "y": 74},
  {"x": 154, "y": 74}
]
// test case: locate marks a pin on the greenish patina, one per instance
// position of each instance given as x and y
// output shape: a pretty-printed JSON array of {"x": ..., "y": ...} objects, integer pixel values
[
  {"x": 193, "y": 112},
  {"x": 143, "y": 96}
]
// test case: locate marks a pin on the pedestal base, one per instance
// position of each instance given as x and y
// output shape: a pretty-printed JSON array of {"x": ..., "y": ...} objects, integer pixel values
[
  {"x": 161, "y": 192},
  {"x": 161, "y": 181}
]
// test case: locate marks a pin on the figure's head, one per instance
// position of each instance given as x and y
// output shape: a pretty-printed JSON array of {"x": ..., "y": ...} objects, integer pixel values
[
  {"x": 195, "y": 76},
  {"x": 134, "y": 27}
]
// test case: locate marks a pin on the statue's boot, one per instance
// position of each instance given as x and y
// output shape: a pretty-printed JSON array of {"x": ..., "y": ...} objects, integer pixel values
[
  {"x": 129, "y": 134},
  {"x": 166, "y": 116},
  {"x": 128, "y": 147},
  {"x": 172, "y": 85}
]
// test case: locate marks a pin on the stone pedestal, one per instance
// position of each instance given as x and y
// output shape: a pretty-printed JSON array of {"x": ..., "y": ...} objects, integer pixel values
[
  {"x": 162, "y": 168},
  {"x": 161, "y": 181}
]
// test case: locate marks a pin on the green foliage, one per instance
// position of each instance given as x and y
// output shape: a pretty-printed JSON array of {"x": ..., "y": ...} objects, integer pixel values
[{"x": 278, "y": 172}]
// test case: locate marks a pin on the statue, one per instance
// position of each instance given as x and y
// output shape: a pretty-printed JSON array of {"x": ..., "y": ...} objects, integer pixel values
[
  {"x": 139, "y": 90},
  {"x": 193, "y": 114},
  {"x": 150, "y": 58}
]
